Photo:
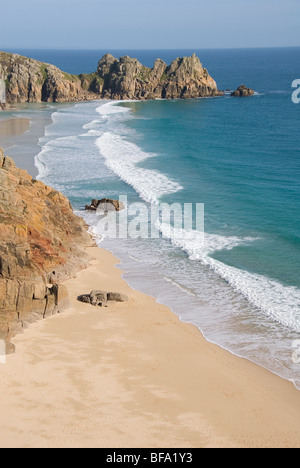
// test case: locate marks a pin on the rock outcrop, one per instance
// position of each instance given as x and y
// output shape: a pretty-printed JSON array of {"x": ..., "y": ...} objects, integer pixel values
[
  {"x": 41, "y": 243},
  {"x": 243, "y": 91},
  {"x": 127, "y": 78},
  {"x": 106, "y": 204},
  {"x": 102, "y": 298},
  {"x": 29, "y": 80}
]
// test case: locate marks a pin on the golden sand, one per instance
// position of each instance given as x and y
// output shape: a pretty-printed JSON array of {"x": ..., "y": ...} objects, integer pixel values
[{"x": 133, "y": 375}]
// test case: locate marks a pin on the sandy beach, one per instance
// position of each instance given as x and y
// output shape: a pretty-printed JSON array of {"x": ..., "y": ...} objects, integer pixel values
[
  {"x": 14, "y": 133},
  {"x": 13, "y": 127},
  {"x": 133, "y": 375},
  {"x": 21, "y": 128}
]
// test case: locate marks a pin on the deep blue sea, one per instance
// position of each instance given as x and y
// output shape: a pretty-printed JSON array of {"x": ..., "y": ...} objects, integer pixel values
[{"x": 240, "y": 157}]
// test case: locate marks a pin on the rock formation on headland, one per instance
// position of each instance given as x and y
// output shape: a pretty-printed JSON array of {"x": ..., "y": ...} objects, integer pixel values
[
  {"x": 41, "y": 243},
  {"x": 243, "y": 91},
  {"x": 127, "y": 78},
  {"x": 29, "y": 80}
]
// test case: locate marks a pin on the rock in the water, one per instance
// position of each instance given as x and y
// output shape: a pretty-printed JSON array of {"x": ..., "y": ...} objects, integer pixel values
[
  {"x": 105, "y": 205},
  {"x": 102, "y": 298},
  {"x": 243, "y": 91}
]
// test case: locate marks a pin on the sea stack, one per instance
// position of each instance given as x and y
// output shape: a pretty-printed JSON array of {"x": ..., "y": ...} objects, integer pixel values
[{"x": 243, "y": 91}]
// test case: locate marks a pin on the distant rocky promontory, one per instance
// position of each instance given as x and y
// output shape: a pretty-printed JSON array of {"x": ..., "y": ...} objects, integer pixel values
[{"x": 29, "y": 80}]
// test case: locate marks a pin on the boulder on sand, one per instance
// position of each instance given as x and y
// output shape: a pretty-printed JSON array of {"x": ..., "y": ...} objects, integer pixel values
[{"x": 99, "y": 298}]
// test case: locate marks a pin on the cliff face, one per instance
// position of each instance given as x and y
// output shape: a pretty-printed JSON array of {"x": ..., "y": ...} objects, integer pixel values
[
  {"x": 28, "y": 80},
  {"x": 41, "y": 243}
]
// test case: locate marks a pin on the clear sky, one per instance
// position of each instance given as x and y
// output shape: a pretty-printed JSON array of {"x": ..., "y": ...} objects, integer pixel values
[{"x": 149, "y": 24}]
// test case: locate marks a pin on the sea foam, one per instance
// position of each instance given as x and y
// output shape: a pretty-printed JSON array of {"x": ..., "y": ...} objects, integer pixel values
[{"x": 123, "y": 156}]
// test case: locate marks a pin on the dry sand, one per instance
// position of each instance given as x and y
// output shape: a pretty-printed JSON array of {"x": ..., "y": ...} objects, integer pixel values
[
  {"x": 13, "y": 127},
  {"x": 133, "y": 375}
]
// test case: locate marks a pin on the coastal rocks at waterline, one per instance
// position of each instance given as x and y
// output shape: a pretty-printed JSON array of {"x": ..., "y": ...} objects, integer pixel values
[
  {"x": 41, "y": 243},
  {"x": 102, "y": 298},
  {"x": 105, "y": 205},
  {"x": 243, "y": 91}
]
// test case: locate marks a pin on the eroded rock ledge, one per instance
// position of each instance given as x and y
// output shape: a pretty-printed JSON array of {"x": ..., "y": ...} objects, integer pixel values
[{"x": 41, "y": 243}]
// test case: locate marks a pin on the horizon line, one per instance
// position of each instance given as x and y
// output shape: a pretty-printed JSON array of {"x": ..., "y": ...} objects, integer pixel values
[{"x": 149, "y": 49}]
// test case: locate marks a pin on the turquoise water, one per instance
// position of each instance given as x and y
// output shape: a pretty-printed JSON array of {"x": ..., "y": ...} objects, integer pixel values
[
  {"x": 248, "y": 179},
  {"x": 240, "y": 157}
]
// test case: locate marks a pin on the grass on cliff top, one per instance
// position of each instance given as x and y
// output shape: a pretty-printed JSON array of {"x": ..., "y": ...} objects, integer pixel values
[
  {"x": 88, "y": 79},
  {"x": 164, "y": 76},
  {"x": 44, "y": 71},
  {"x": 70, "y": 77},
  {"x": 144, "y": 74}
]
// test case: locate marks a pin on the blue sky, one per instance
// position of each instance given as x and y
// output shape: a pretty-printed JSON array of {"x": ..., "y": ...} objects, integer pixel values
[{"x": 150, "y": 24}]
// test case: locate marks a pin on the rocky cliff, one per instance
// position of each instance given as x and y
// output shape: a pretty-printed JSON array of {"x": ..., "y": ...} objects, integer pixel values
[
  {"x": 127, "y": 78},
  {"x": 28, "y": 80},
  {"x": 41, "y": 243}
]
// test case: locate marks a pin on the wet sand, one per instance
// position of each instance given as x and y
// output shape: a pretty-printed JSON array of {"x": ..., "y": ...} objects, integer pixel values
[
  {"x": 19, "y": 136},
  {"x": 13, "y": 127}
]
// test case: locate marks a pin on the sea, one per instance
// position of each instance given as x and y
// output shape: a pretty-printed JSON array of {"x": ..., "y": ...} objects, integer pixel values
[{"x": 238, "y": 157}]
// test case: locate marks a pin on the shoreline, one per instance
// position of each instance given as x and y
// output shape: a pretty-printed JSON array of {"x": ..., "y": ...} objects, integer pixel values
[
  {"x": 202, "y": 333},
  {"x": 23, "y": 146},
  {"x": 134, "y": 375},
  {"x": 215, "y": 342}
]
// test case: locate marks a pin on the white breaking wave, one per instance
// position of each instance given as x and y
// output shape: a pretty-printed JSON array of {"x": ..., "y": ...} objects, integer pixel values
[
  {"x": 43, "y": 169},
  {"x": 282, "y": 303},
  {"x": 121, "y": 156}
]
